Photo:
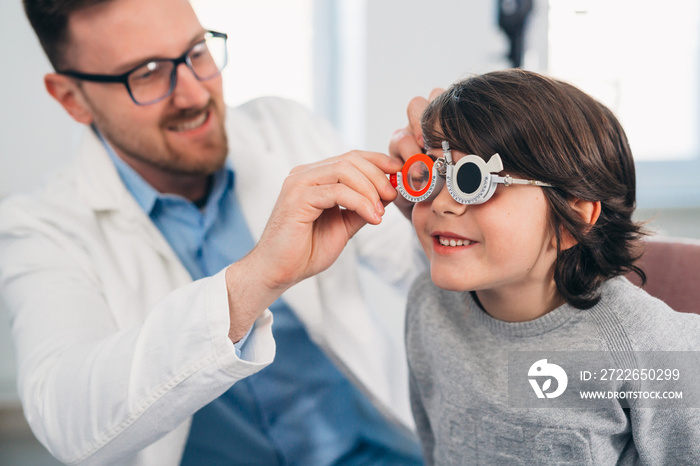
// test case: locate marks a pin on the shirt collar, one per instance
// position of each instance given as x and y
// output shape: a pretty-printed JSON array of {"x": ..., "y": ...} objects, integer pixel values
[{"x": 147, "y": 196}]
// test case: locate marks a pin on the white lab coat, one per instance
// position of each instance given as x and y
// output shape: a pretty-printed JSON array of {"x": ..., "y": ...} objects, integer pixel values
[{"x": 117, "y": 347}]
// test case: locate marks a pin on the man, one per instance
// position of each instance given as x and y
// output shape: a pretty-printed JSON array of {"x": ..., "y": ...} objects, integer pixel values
[{"x": 143, "y": 280}]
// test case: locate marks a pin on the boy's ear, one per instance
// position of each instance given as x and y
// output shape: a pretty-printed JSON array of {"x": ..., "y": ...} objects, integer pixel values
[
  {"x": 68, "y": 94},
  {"x": 588, "y": 211}
]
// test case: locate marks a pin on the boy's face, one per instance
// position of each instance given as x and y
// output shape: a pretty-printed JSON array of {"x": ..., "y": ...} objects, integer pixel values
[
  {"x": 182, "y": 134},
  {"x": 503, "y": 247}
]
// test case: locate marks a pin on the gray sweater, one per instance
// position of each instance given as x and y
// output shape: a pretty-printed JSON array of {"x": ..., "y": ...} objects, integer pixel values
[{"x": 460, "y": 374}]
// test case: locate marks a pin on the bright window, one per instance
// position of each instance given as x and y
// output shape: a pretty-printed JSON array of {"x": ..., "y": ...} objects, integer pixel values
[
  {"x": 270, "y": 47},
  {"x": 642, "y": 59}
]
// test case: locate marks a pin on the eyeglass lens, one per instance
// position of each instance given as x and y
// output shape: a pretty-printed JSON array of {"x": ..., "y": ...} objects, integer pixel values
[
  {"x": 418, "y": 176},
  {"x": 155, "y": 80},
  {"x": 468, "y": 178}
]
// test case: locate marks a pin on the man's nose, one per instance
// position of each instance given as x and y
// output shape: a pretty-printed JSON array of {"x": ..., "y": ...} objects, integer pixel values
[{"x": 189, "y": 91}]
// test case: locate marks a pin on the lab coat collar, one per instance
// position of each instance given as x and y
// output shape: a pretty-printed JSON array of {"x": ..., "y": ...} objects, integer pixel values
[
  {"x": 102, "y": 190},
  {"x": 98, "y": 181}
]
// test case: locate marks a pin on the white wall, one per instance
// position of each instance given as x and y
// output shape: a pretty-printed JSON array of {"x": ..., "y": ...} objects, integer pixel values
[
  {"x": 35, "y": 132},
  {"x": 411, "y": 48}
]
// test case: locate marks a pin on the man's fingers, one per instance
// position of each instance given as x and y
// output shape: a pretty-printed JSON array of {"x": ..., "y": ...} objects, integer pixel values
[
  {"x": 375, "y": 167},
  {"x": 378, "y": 160},
  {"x": 353, "y": 222},
  {"x": 331, "y": 184},
  {"x": 332, "y": 195},
  {"x": 435, "y": 93},
  {"x": 415, "y": 110},
  {"x": 381, "y": 161},
  {"x": 357, "y": 169},
  {"x": 403, "y": 144}
]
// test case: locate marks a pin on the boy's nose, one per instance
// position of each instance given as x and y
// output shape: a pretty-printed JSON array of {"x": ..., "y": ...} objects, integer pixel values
[{"x": 444, "y": 203}]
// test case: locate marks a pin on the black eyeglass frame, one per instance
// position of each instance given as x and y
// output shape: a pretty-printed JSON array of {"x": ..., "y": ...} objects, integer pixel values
[{"x": 124, "y": 77}]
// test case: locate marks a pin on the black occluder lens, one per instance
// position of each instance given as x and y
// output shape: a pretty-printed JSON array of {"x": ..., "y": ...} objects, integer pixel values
[{"x": 469, "y": 178}]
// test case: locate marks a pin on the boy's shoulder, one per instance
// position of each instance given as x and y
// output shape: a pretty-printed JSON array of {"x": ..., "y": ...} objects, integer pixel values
[{"x": 646, "y": 322}]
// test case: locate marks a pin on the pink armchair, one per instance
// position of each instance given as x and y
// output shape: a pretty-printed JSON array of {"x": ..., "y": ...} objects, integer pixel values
[{"x": 672, "y": 266}]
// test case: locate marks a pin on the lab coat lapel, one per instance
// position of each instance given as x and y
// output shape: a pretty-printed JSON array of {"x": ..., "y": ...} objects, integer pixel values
[{"x": 102, "y": 189}]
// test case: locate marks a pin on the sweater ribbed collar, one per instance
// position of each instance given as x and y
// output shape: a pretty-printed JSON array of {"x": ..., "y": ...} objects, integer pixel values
[{"x": 539, "y": 326}]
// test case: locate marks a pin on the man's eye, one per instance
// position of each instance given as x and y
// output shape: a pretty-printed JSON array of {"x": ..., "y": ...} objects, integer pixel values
[
  {"x": 145, "y": 72},
  {"x": 199, "y": 51}
]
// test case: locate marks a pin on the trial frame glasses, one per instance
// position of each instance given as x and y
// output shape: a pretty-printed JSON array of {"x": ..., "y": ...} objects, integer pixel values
[
  {"x": 470, "y": 180},
  {"x": 155, "y": 80}
]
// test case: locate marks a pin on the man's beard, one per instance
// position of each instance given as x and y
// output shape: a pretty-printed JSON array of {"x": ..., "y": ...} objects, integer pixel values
[{"x": 159, "y": 154}]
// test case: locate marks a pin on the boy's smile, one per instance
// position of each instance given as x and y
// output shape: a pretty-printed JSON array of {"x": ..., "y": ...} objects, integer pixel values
[
  {"x": 451, "y": 241},
  {"x": 447, "y": 241}
]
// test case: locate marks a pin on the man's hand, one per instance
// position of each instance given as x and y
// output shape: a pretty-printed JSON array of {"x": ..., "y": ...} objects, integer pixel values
[
  {"x": 408, "y": 141},
  {"x": 320, "y": 207}
]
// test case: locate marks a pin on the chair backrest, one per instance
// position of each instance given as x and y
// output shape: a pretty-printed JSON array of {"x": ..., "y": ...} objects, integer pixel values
[{"x": 672, "y": 266}]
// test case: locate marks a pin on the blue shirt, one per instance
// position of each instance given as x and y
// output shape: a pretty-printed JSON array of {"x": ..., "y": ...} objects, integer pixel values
[{"x": 300, "y": 409}]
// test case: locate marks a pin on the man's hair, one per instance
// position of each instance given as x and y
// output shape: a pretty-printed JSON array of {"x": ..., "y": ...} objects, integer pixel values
[
  {"x": 49, "y": 19},
  {"x": 548, "y": 130}
]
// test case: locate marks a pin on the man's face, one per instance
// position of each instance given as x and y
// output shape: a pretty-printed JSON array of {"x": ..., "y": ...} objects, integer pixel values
[{"x": 180, "y": 135}]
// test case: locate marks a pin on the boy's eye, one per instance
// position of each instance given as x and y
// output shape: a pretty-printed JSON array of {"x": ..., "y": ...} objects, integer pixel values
[{"x": 418, "y": 176}]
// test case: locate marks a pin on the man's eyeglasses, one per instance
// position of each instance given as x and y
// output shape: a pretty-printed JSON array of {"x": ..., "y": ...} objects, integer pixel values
[
  {"x": 155, "y": 80},
  {"x": 469, "y": 181}
]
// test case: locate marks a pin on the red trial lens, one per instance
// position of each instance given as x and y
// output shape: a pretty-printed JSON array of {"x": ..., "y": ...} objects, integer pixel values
[{"x": 417, "y": 174}]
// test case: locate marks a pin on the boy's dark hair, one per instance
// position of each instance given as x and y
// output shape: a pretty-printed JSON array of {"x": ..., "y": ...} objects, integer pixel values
[
  {"x": 547, "y": 130},
  {"x": 49, "y": 19}
]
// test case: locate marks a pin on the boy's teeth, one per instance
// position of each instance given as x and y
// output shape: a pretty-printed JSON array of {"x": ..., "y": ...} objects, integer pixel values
[{"x": 454, "y": 242}]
